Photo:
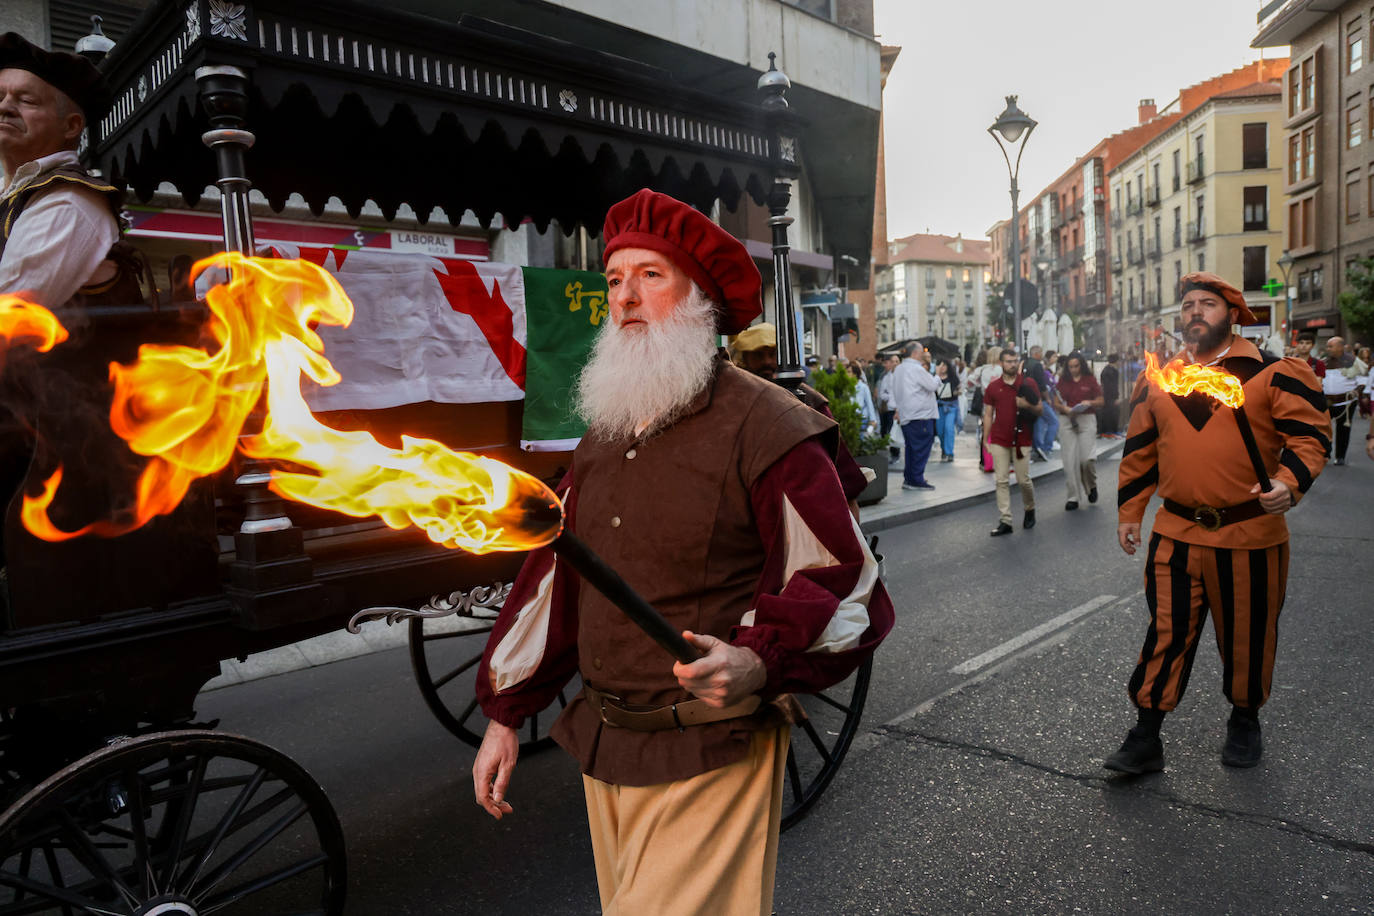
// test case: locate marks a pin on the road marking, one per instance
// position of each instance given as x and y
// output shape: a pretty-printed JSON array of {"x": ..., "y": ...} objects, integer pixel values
[{"x": 1030, "y": 636}]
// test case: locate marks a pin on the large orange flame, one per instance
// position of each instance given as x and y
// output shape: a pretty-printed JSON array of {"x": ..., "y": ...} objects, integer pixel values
[
  {"x": 1180, "y": 378},
  {"x": 185, "y": 408},
  {"x": 22, "y": 321}
]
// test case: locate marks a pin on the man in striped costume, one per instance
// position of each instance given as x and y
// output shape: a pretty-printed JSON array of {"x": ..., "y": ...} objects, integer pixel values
[{"x": 1220, "y": 543}]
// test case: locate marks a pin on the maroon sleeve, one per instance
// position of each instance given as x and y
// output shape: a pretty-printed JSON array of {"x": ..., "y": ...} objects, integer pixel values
[
  {"x": 813, "y": 629},
  {"x": 852, "y": 479},
  {"x": 558, "y": 639}
]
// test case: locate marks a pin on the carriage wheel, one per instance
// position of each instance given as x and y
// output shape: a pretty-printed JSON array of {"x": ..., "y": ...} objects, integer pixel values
[
  {"x": 820, "y": 739},
  {"x": 444, "y": 652},
  {"x": 181, "y": 823}
]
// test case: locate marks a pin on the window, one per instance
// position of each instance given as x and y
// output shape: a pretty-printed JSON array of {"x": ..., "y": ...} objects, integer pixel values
[
  {"x": 1305, "y": 286},
  {"x": 1201, "y": 262},
  {"x": 1301, "y": 80},
  {"x": 1254, "y": 142},
  {"x": 968, "y": 276},
  {"x": 1178, "y": 278},
  {"x": 1178, "y": 171},
  {"x": 1353, "y": 124},
  {"x": 1254, "y": 261},
  {"x": 1201, "y": 215},
  {"x": 1354, "y": 48},
  {"x": 1369, "y": 203},
  {"x": 1256, "y": 208},
  {"x": 1352, "y": 196},
  {"x": 1154, "y": 176},
  {"x": 1302, "y": 216},
  {"x": 930, "y": 276},
  {"x": 1317, "y": 283},
  {"x": 1178, "y": 226}
]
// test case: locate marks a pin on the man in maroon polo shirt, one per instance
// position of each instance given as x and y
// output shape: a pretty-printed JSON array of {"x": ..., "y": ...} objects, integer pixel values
[{"x": 1010, "y": 404}]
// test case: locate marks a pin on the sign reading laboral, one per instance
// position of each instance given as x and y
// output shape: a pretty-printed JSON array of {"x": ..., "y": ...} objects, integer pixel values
[{"x": 410, "y": 241}]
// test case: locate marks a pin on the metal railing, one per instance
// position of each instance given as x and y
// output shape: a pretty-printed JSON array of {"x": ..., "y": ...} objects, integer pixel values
[
  {"x": 1152, "y": 196},
  {"x": 1195, "y": 232},
  {"x": 1116, "y": 262},
  {"x": 1152, "y": 249},
  {"x": 1134, "y": 207},
  {"x": 1196, "y": 169}
]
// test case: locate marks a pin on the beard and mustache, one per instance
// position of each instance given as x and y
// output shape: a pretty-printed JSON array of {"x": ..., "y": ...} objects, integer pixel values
[
  {"x": 641, "y": 379},
  {"x": 1207, "y": 337}
]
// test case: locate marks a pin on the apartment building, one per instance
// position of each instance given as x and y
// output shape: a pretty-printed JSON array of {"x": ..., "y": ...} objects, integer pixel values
[
  {"x": 934, "y": 284},
  {"x": 1203, "y": 195},
  {"x": 1328, "y": 108}
]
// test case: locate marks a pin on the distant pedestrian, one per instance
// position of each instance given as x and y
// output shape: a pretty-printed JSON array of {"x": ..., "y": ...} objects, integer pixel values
[
  {"x": 1107, "y": 424},
  {"x": 914, "y": 388},
  {"x": 1047, "y": 423},
  {"x": 1010, "y": 406},
  {"x": 1077, "y": 398},
  {"x": 1341, "y": 382},
  {"x": 947, "y": 401},
  {"x": 887, "y": 402},
  {"x": 1303, "y": 351},
  {"x": 1220, "y": 543},
  {"x": 863, "y": 397},
  {"x": 988, "y": 369}
]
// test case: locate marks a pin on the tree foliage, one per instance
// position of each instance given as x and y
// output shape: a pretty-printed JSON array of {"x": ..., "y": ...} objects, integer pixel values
[{"x": 1357, "y": 301}]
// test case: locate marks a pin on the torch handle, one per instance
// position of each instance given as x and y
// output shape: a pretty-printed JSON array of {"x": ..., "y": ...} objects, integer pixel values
[
  {"x": 606, "y": 580},
  {"x": 1252, "y": 449}
]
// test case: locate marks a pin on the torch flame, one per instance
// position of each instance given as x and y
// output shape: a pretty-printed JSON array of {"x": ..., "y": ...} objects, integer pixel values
[
  {"x": 1182, "y": 379},
  {"x": 186, "y": 408},
  {"x": 23, "y": 321}
]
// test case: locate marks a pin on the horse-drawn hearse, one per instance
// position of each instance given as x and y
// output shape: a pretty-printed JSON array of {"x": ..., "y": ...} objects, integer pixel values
[{"x": 114, "y": 799}]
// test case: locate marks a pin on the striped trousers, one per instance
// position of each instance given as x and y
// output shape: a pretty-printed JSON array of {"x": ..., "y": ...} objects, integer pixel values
[{"x": 1243, "y": 590}]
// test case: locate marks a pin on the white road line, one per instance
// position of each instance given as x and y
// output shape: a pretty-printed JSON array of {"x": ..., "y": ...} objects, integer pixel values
[{"x": 1030, "y": 636}]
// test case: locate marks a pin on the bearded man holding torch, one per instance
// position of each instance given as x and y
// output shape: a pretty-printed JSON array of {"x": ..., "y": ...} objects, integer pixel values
[
  {"x": 714, "y": 494},
  {"x": 1220, "y": 542}
]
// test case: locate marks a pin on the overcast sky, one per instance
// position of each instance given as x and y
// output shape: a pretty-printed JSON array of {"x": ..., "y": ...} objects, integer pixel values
[{"x": 1078, "y": 66}]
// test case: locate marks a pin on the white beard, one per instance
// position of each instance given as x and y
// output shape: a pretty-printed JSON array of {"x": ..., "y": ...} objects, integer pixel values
[{"x": 642, "y": 378}]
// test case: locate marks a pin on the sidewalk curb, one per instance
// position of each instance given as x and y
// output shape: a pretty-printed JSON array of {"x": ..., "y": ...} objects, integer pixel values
[{"x": 1044, "y": 472}]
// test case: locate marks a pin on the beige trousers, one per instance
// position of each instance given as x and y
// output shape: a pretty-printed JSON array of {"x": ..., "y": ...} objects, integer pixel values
[
  {"x": 705, "y": 846},
  {"x": 1002, "y": 460},
  {"x": 1080, "y": 470}
]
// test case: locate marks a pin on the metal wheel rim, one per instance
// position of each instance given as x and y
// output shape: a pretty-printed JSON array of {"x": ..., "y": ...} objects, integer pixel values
[
  {"x": 799, "y": 796},
  {"x": 158, "y": 860}
]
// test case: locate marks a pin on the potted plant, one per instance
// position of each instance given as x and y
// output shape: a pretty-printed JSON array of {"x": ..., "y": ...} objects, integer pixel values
[{"x": 839, "y": 388}]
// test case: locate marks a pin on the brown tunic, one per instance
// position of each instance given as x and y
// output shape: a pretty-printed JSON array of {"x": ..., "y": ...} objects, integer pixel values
[{"x": 673, "y": 515}]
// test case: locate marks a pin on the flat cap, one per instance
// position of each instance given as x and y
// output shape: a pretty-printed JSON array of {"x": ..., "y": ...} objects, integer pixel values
[{"x": 1233, "y": 297}]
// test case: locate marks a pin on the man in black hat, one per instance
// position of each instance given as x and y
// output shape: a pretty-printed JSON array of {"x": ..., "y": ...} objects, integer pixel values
[{"x": 57, "y": 223}]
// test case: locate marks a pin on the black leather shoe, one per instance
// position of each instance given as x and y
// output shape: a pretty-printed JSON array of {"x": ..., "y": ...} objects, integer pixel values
[
  {"x": 1029, "y": 520},
  {"x": 1141, "y": 752},
  {"x": 1092, "y": 495},
  {"x": 1244, "y": 747},
  {"x": 1001, "y": 529},
  {"x": 1071, "y": 506}
]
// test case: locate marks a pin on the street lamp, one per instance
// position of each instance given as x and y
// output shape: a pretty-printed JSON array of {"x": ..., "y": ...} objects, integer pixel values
[
  {"x": 1286, "y": 264},
  {"x": 1013, "y": 129},
  {"x": 942, "y": 311}
]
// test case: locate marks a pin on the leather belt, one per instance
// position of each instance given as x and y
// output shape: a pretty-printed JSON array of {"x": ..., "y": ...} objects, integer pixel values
[
  {"x": 1211, "y": 518},
  {"x": 618, "y": 714}
]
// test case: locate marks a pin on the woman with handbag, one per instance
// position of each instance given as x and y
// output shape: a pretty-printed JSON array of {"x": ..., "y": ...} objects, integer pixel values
[{"x": 947, "y": 400}]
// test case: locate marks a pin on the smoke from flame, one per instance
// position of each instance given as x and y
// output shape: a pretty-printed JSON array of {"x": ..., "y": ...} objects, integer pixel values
[
  {"x": 185, "y": 408},
  {"x": 1182, "y": 379}
]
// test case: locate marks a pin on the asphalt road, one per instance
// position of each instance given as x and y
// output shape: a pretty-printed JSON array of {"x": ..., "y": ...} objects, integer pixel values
[{"x": 976, "y": 786}]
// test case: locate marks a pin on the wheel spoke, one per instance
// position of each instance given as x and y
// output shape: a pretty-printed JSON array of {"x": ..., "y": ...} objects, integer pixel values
[
  {"x": 534, "y": 727},
  {"x": 816, "y": 740},
  {"x": 55, "y": 894},
  {"x": 457, "y": 671},
  {"x": 222, "y": 828},
  {"x": 219, "y": 901},
  {"x": 142, "y": 861},
  {"x": 825, "y": 699},
  {"x": 455, "y": 634},
  {"x": 562, "y": 698},
  {"x": 88, "y": 855},
  {"x": 250, "y": 849},
  {"x": 794, "y": 777},
  {"x": 189, "y": 796},
  {"x": 51, "y": 858},
  {"x": 468, "y": 711}
]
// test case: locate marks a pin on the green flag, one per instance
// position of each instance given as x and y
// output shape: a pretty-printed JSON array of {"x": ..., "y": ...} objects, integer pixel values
[{"x": 564, "y": 310}]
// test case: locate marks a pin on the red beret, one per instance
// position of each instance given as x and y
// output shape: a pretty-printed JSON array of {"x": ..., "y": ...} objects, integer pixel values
[
  {"x": 714, "y": 259},
  {"x": 71, "y": 73},
  {"x": 1200, "y": 279}
]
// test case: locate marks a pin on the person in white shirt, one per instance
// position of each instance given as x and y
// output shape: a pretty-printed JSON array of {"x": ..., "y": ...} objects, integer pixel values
[
  {"x": 57, "y": 223},
  {"x": 913, "y": 390}
]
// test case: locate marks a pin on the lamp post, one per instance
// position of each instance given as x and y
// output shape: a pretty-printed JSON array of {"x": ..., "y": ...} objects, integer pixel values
[
  {"x": 1013, "y": 129},
  {"x": 1285, "y": 263},
  {"x": 943, "y": 311}
]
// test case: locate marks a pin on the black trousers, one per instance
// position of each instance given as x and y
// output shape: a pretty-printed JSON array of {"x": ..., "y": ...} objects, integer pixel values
[{"x": 1340, "y": 418}]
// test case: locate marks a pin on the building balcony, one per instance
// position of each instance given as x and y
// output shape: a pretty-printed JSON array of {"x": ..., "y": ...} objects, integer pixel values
[
  {"x": 1152, "y": 196},
  {"x": 1134, "y": 207},
  {"x": 1195, "y": 232},
  {"x": 1076, "y": 256},
  {"x": 1116, "y": 262},
  {"x": 1116, "y": 219},
  {"x": 1178, "y": 238},
  {"x": 1134, "y": 257},
  {"x": 1151, "y": 298},
  {"x": 1152, "y": 249},
  {"x": 1132, "y": 304},
  {"x": 1056, "y": 220},
  {"x": 1074, "y": 212},
  {"x": 1196, "y": 169}
]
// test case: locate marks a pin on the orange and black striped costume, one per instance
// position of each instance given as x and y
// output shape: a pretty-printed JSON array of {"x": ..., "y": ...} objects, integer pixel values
[{"x": 1212, "y": 548}]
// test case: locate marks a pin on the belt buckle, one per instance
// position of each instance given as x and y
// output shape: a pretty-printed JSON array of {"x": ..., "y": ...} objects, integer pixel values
[
  {"x": 601, "y": 706},
  {"x": 1207, "y": 517}
]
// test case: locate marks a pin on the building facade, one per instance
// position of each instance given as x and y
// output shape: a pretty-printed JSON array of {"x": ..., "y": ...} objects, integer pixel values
[
  {"x": 934, "y": 285},
  {"x": 1206, "y": 194},
  {"x": 1328, "y": 182}
]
